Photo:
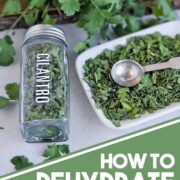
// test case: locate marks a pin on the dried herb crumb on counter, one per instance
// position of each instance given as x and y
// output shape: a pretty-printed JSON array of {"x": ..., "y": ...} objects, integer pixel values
[{"x": 156, "y": 90}]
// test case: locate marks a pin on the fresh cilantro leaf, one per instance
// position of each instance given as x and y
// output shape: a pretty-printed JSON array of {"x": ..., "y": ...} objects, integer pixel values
[
  {"x": 36, "y": 3},
  {"x": 114, "y": 3},
  {"x": 69, "y": 7},
  {"x": 137, "y": 8},
  {"x": 104, "y": 31},
  {"x": 55, "y": 151},
  {"x": 12, "y": 6},
  {"x": 116, "y": 19},
  {"x": 20, "y": 162},
  {"x": 48, "y": 19},
  {"x": 8, "y": 39},
  {"x": 6, "y": 51},
  {"x": 12, "y": 91},
  {"x": 52, "y": 152},
  {"x": 30, "y": 18},
  {"x": 82, "y": 45},
  {"x": 3, "y": 102},
  {"x": 102, "y": 3},
  {"x": 162, "y": 8},
  {"x": 92, "y": 21},
  {"x": 132, "y": 23},
  {"x": 64, "y": 148}
]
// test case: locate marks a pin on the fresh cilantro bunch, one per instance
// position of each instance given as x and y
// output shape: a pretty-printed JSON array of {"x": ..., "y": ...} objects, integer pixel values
[
  {"x": 38, "y": 10},
  {"x": 95, "y": 16},
  {"x": 121, "y": 16}
]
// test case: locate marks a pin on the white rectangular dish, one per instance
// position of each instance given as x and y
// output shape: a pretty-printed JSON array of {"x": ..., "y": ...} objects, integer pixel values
[{"x": 171, "y": 29}]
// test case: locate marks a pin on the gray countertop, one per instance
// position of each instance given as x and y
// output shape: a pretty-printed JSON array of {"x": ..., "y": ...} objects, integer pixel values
[{"x": 85, "y": 128}]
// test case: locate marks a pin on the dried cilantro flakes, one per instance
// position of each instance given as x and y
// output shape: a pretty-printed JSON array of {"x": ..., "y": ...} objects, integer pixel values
[
  {"x": 56, "y": 108},
  {"x": 155, "y": 91}
]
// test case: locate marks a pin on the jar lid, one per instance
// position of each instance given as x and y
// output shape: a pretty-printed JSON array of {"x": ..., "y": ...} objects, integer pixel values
[{"x": 47, "y": 30}]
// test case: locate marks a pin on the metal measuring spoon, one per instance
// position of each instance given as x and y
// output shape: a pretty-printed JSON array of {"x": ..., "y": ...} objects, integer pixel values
[{"x": 128, "y": 72}]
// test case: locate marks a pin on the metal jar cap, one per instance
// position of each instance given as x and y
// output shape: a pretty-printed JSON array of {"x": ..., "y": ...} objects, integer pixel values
[{"x": 47, "y": 30}]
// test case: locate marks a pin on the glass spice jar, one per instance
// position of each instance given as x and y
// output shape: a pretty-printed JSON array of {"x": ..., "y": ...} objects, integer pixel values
[{"x": 44, "y": 103}]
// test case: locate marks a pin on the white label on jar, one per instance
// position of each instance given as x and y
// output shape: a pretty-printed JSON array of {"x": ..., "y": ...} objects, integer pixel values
[{"x": 42, "y": 78}]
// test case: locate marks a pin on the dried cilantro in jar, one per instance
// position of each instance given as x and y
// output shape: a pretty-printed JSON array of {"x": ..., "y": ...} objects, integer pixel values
[
  {"x": 44, "y": 85},
  {"x": 47, "y": 78}
]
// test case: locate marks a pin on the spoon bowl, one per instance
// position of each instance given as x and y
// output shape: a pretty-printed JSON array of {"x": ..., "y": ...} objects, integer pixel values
[{"x": 127, "y": 72}]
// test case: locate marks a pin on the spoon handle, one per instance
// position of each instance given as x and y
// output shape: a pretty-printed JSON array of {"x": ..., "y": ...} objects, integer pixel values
[
  {"x": 155, "y": 67},
  {"x": 173, "y": 63}
]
